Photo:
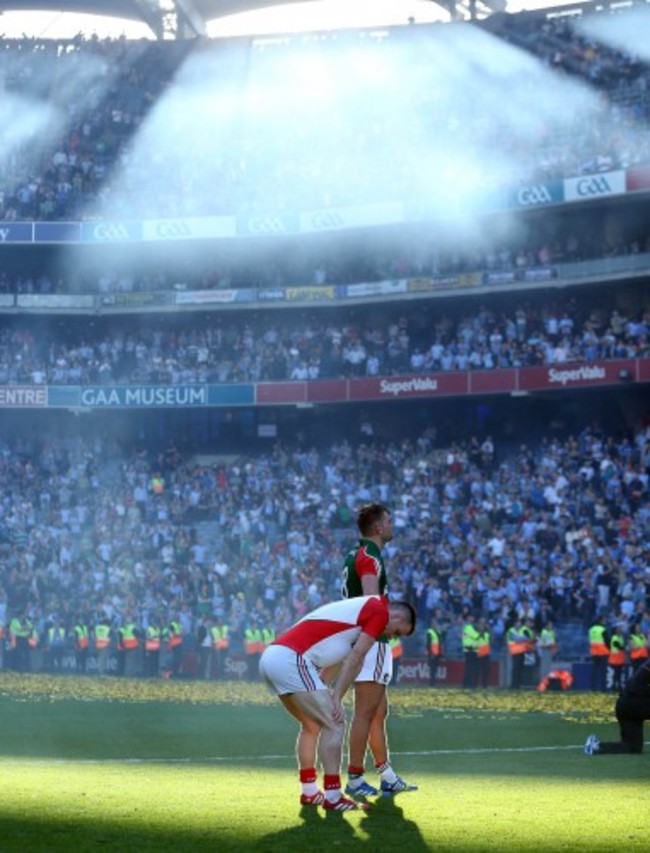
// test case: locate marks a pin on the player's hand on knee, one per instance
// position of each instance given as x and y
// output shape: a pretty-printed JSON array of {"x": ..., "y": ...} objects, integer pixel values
[{"x": 338, "y": 712}]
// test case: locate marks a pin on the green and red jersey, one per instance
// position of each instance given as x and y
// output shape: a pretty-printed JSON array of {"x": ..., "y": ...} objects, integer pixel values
[{"x": 365, "y": 559}]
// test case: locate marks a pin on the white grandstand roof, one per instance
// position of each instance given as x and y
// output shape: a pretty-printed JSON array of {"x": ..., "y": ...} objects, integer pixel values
[{"x": 190, "y": 17}]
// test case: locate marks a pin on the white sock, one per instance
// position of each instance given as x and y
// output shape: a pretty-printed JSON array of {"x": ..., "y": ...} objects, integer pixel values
[
  {"x": 333, "y": 795},
  {"x": 387, "y": 773}
]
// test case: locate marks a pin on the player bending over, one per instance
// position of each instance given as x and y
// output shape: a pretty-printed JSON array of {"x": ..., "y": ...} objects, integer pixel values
[{"x": 338, "y": 633}]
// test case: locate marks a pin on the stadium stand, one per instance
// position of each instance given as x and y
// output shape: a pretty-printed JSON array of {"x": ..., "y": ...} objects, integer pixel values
[
  {"x": 538, "y": 332},
  {"x": 117, "y": 83},
  {"x": 523, "y": 495}
]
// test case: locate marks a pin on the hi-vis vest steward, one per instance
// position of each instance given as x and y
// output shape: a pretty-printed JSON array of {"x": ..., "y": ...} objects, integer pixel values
[
  {"x": 396, "y": 647},
  {"x": 547, "y": 639},
  {"x": 519, "y": 640},
  {"x": 253, "y": 644},
  {"x": 129, "y": 639},
  {"x": 175, "y": 635},
  {"x": 19, "y": 628},
  {"x": 152, "y": 640},
  {"x": 81, "y": 636},
  {"x": 638, "y": 647},
  {"x": 597, "y": 645},
  {"x": 433, "y": 640},
  {"x": 14, "y": 631},
  {"x": 470, "y": 638},
  {"x": 55, "y": 636},
  {"x": 220, "y": 640},
  {"x": 102, "y": 636},
  {"x": 483, "y": 644},
  {"x": 616, "y": 650}
]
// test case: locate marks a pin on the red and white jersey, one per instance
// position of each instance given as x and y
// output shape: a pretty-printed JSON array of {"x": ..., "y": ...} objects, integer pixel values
[{"x": 326, "y": 635}]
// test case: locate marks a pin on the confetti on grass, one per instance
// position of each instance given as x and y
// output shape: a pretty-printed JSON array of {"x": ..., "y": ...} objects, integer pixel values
[{"x": 571, "y": 706}]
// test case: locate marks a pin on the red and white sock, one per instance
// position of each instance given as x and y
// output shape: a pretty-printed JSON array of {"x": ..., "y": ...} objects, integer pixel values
[
  {"x": 332, "y": 787},
  {"x": 308, "y": 781}
]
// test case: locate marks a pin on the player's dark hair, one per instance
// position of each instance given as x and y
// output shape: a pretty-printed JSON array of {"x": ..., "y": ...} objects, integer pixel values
[
  {"x": 368, "y": 516},
  {"x": 406, "y": 607}
]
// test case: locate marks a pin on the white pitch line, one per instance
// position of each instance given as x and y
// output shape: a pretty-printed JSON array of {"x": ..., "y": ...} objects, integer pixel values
[{"x": 215, "y": 759}]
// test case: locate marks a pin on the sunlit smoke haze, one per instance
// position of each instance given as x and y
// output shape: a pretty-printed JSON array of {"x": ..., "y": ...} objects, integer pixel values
[
  {"x": 628, "y": 31},
  {"x": 439, "y": 118},
  {"x": 183, "y": 151},
  {"x": 23, "y": 121},
  {"x": 37, "y": 120}
]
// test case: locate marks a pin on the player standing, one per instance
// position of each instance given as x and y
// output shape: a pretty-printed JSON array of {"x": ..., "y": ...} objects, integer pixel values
[{"x": 364, "y": 573}]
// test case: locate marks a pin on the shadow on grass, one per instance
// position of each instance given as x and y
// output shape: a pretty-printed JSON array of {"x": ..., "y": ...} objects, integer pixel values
[
  {"x": 384, "y": 818},
  {"x": 381, "y": 827},
  {"x": 317, "y": 829},
  {"x": 51, "y": 836}
]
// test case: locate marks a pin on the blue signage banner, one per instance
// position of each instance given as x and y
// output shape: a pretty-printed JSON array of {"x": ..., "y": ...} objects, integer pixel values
[
  {"x": 145, "y": 396},
  {"x": 57, "y": 232},
  {"x": 149, "y": 396},
  {"x": 64, "y": 396},
  {"x": 271, "y": 294},
  {"x": 16, "y": 232},
  {"x": 231, "y": 395}
]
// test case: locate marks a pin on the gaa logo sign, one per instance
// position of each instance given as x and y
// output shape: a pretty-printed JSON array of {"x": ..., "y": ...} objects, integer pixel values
[
  {"x": 533, "y": 195},
  {"x": 266, "y": 225},
  {"x": 324, "y": 220},
  {"x": 593, "y": 186},
  {"x": 173, "y": 229},
  {"x": 110, "y": 231}
]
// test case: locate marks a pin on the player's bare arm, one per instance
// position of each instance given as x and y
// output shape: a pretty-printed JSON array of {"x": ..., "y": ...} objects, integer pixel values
[
  {"x": 349, "y": 671},
  {"x": 330, "y": 673}
]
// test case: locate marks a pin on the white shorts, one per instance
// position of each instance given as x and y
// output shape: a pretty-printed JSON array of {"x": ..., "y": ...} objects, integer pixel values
[
  {"x": 377, "y": 665},
  {"x": 285, "y": 671}
]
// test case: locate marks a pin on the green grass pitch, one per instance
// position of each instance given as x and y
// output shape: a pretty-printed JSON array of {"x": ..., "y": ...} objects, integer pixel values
[{"x": 92, "y": 764}]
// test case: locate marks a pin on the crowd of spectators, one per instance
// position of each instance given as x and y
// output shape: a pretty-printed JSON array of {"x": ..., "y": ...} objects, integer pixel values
[
  {"x": 94, "y": 529},
  {"x": 533, "y": 250},
  {"x": 554, "y": 530},
  {"x": 620, "y": 75},
  {"x": 570, "y": 44},
  {"x": 129, "y": 130},
  {"x": 238, "y": 349}
]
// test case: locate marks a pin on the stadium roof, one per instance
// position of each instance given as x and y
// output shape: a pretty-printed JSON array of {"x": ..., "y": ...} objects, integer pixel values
[
  {"x": 172, "y": 16},
  {"x": 188, "y": 18}
]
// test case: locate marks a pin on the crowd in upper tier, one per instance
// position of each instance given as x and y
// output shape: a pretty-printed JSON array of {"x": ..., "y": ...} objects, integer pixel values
[
  {"x": 235, "y": 348},
  {"x": 131, "y": 130},
  {"x": 551, "y": 529}
]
